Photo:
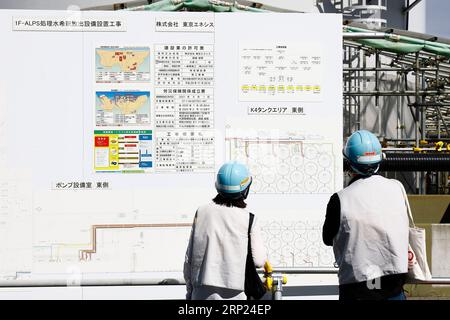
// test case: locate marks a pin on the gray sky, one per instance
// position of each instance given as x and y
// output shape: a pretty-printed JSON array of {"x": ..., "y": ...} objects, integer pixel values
[
  {"x": 437, "y": 14},
  {"x": 431, "y": 17}
]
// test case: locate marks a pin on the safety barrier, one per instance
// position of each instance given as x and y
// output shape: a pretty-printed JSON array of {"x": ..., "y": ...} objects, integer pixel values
[{"x": 147, "y": 279}]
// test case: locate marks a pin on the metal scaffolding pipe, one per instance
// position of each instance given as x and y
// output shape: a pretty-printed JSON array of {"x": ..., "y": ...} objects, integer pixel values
[
  {"x": 395, "y": 93},
  {"x": 141, "y": 279},
  {"x": 389, "y": 69},
  {"x": 429, "y": 104},
  {"x": 363, "y": 35},
  {"x": 413, "y": 162},
  {"x": 419, "y": 162}
]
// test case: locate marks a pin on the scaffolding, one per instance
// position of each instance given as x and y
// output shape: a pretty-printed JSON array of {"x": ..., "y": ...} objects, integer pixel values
[{"x": 394, "y": 77}]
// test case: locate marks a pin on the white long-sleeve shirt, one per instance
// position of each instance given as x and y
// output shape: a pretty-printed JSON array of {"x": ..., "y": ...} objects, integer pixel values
[{"x": 216, "y": 255}]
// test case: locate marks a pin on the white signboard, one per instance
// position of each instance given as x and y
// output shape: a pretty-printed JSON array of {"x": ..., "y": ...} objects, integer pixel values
[{"x": 109, "y": 141}]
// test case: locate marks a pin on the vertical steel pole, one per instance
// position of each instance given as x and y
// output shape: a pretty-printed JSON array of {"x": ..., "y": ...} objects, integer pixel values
[
  {"x": 358, "y": 111},
  {"x": 377, "y": 97},
  {"x": 438, "y": 126},
  {"x": 402, "y": 109},
  {"x": 417, "y": 83},
  {"x": 350, "y": 88},
  {"x": 398, "y": 108},
  {"x": 423, "y": 135},
  {"x": 277, "y": 289}
]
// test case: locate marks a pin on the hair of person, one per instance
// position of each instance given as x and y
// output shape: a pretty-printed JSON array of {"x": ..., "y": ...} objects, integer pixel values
[
  {"x": 223, "y": 201},
  {"x": 365, "y": 170}
]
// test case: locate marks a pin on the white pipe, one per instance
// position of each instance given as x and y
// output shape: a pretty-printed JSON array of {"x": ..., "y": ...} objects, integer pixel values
[
  {"x": 364, "y": 35},
  {"x": 303, "y": 270},
  {"x": 94, "y": 279},
  {"x": 145, "y": 278},
  {"x": 123, "y": 279}
]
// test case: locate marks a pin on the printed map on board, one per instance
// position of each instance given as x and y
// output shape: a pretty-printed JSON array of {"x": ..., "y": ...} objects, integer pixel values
[
  {"x": 118, "y": 108},
  {"x": 122, "y": 64}
]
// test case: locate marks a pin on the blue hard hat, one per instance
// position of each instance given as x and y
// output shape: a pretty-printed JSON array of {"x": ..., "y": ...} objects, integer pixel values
[
  {"x": 363, "y": 151},
  {"x": 233, "y": 179}
]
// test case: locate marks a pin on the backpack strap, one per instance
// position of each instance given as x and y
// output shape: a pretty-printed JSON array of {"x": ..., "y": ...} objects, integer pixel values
[{"x": 250, "y": 222}]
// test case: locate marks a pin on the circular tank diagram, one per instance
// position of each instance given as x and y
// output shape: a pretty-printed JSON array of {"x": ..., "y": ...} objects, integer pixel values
[{"x": 287, "y": 166}]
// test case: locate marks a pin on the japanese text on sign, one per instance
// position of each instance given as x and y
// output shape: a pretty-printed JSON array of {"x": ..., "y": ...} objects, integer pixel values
[
  {"x": 81, "y": 185},
  {"x": 184, "y": 65},
  {"x": 205, "y": 24},
  {"x": 184, "y": 108},
  {"x": 276, "y": 111},
  {"x": 67, "y": 24}
]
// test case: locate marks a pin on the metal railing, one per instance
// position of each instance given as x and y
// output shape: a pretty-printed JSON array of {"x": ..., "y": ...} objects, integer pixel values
[{"x": 147, "y": 278}]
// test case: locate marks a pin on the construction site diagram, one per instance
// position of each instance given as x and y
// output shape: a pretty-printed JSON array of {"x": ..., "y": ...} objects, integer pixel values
[
  {"x": 287, "y": 165},
  {"x": 122, "y": 108},
  {"x": 122, "y": 64}
]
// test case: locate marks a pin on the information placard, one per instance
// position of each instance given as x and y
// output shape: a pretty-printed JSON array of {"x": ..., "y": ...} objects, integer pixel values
[{"x": 111, "y": 134}]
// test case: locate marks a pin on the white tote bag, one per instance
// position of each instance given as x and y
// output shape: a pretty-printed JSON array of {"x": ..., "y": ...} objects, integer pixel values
[{"x": 418, "y": 269}]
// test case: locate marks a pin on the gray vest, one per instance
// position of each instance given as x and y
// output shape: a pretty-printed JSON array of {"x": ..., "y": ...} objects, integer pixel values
[
  {"x": 220, "y": 247},
  {"x": 373, "y": 235}
]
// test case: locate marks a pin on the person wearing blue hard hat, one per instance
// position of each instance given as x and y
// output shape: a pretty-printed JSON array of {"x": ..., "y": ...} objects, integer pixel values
[
  {"x": 367, "y": 225},
  {"x": 215, "y": 260},
  {"x": 363, "y": 152}
]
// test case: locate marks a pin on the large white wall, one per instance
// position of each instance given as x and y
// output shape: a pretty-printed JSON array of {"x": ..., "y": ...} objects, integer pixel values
[{"x": 431, "y": 17}]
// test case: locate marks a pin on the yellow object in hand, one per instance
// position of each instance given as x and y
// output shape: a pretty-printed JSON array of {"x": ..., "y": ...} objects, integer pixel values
[
  {"x": 269, "y": 283},
  {"x": 268, "y": 275},
  {"x": 267, "y": 267}
]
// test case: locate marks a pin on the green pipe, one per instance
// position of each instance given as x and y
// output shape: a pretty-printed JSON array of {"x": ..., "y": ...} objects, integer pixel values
[
  {"x": 194, "y": 5},
  {"x": 402, "y": 44}
]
